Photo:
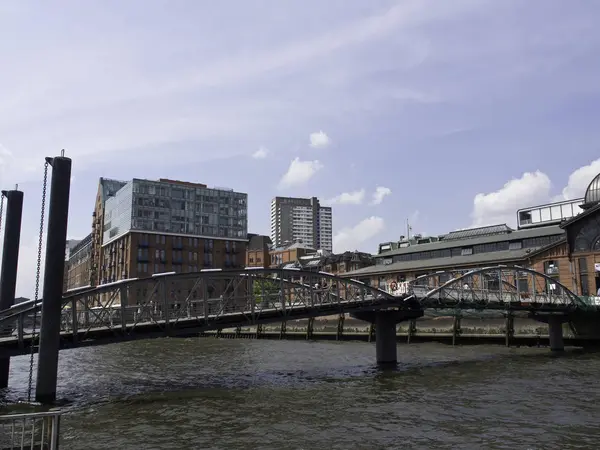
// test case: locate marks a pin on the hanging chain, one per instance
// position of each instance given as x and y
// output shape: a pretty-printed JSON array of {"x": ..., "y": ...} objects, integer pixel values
[{"x": 37, "y": 282}]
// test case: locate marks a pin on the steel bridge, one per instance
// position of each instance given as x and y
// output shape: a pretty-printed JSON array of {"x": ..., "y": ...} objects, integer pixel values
[{"x": 174, "y": 304}]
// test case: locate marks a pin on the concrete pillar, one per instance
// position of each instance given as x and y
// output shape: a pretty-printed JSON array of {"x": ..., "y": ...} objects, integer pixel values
[
  {"x": 385, "y": 339},
  {"x": 10, "y": 259},
  {"x": 555, "y": 332},
  {"x": 47, "y": 371}
]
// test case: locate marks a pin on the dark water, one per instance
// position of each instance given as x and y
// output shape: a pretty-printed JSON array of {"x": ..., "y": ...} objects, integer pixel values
[{"x": 242, "y": 394}]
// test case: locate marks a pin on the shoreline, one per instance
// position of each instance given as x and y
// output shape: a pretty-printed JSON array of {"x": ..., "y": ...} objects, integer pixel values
[{"x": 470, "y": 331}]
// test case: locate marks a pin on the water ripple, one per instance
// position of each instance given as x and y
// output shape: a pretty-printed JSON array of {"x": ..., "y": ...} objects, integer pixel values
[{"x": 240, "y": 394}]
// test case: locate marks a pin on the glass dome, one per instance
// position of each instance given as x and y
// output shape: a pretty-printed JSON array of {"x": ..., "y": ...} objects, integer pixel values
[{"x": 592, "y": 195}]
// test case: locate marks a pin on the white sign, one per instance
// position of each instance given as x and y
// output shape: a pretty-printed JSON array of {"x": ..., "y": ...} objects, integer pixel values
[{"x": 399, "y": 288}]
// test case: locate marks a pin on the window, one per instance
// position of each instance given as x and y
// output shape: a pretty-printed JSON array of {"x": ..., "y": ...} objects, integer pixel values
[
  {"x": 524, "y": 217},
  {"x": 583, "y": 276},
  {"x": 551, "y": 267},
  {"x": 515, "y": 245},
  {"x": 444, "y": 277},
  {"x": 465, "y": 251}
]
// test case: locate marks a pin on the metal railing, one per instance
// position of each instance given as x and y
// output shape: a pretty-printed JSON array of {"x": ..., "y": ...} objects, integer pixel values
[{"x": 30, "y": 431}]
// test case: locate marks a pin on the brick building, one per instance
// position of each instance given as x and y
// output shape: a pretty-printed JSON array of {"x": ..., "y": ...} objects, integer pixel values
[
  {"x": 561, "y": 240},
  {"x": 145, "y": 227},
  {"x": 257, "y": 254}
]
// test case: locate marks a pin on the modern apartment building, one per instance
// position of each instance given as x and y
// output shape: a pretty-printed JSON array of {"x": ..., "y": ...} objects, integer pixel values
[
  {"x": 301, "y": 220},
  {"x": 143, "y": 227}
]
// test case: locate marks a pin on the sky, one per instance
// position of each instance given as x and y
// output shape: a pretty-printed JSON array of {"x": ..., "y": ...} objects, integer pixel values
[{"x": 448, "y": 114}]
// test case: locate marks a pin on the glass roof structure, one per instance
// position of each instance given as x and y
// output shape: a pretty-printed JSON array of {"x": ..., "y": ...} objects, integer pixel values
[
  {"x": 478, "y": 232},
  {"x": 592, "y": 194}
]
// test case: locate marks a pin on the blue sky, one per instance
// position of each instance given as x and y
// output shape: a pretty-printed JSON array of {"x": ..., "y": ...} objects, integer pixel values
[{"x": 455, "y": 113}]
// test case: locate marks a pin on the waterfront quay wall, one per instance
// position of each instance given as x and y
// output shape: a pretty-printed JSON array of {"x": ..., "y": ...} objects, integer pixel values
[{"x": 471, "y": 331}]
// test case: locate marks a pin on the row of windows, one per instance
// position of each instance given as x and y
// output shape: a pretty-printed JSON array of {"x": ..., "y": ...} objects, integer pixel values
[
  {"x": 179, "y": 241},
  {"x": 471, "y": 250}
]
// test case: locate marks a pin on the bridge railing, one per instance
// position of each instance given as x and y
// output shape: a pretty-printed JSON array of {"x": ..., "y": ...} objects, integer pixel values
[
  {"x": 195, "y": 301},
  {"x": 487, "y": 297},
  {"x": 30, "y": 431}
]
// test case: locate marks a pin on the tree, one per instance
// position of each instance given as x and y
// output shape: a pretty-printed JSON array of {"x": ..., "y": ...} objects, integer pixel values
[{"x": 269, "y": 288}]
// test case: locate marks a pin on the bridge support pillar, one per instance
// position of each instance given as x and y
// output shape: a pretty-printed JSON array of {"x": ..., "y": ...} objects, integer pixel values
[
  {"x": 555, "y": 332},
  {"x": 383, "y": 323},
  {"x": 47, "y": 370},
  {"x": 385, "y": 339},
  {"x": 10, "y": 258}
]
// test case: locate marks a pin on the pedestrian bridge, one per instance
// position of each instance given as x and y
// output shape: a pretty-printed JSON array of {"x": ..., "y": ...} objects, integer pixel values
[{"x": 174, "y": 304}]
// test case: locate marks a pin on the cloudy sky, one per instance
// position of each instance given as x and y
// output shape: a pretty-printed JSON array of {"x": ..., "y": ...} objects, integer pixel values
[{"x": 450, "y": 113}]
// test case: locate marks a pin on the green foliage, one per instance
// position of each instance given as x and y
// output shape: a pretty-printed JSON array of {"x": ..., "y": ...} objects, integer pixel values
[{"x": 268, "y": 288}]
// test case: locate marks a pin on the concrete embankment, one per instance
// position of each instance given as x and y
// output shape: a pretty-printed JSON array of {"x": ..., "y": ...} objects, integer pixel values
[{"x": 472, "y": 331}]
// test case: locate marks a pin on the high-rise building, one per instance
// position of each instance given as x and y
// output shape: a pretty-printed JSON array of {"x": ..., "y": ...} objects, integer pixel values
[
  {"x": 142, "y": 227},
  {"x": 301, "y": 219}
]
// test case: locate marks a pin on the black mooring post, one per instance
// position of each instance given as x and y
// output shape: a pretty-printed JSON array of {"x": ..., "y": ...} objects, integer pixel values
[
  {"x": 56, "y": 241},
  {"x": 10, "y": 260}
]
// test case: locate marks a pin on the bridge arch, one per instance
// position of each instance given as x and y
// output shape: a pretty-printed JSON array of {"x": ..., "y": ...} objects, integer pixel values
[{"x": 516, "y": 285}]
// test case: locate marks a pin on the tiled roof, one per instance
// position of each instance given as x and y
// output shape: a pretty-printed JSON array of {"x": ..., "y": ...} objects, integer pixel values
[
  {"x": 446, "y": 262},
  {"x": 446, "y": 244}
]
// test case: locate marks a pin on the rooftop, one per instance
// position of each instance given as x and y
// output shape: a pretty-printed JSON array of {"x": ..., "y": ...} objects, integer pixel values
[
  {"x": 258, "y": 242},
  {"x": 592, "y": 193},
  {"x": 478, "y": 236},
  {"x": 446, "y": 262}
]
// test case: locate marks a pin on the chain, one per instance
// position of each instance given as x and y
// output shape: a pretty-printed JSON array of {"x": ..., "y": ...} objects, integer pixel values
[{"x": 37, "y": 281}]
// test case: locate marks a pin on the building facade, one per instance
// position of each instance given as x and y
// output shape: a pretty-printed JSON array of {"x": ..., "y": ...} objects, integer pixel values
[
  {"x": 144, "y": 227},
  {"x": 292, "y": 253},
  {"x": 561, "y": 240},
  {"x": 171, "y": 226},
  {"x": 257, "y": 254},
  {"x": 79, "y": 264},
  {"x": 301, "y": 219}
]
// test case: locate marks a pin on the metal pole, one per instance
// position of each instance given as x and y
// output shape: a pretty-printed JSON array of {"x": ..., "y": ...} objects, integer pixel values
[
  {"x": 10, "y": 259},
  {"x": 47, "y": 371}
]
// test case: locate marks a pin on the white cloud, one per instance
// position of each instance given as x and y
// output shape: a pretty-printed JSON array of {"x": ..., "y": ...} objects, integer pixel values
[
  {"x": 379, "y": 194},
  {"x": 530, "y": 189},
  {"x": 261, "y": 153},
  {"x": 501, "y": 206},
  {"x": 299, "y": 172},
  {"x": 319, "y": 139},
  {"x": 351, "y": 238},
  {"x": 348, "y": 198},
  {"x": 27, "y": 267},
  {"x": 579, "y": 180}
]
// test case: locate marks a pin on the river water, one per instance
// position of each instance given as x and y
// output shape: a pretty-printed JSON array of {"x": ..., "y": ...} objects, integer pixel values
[{"x": 247, "y": 394}]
